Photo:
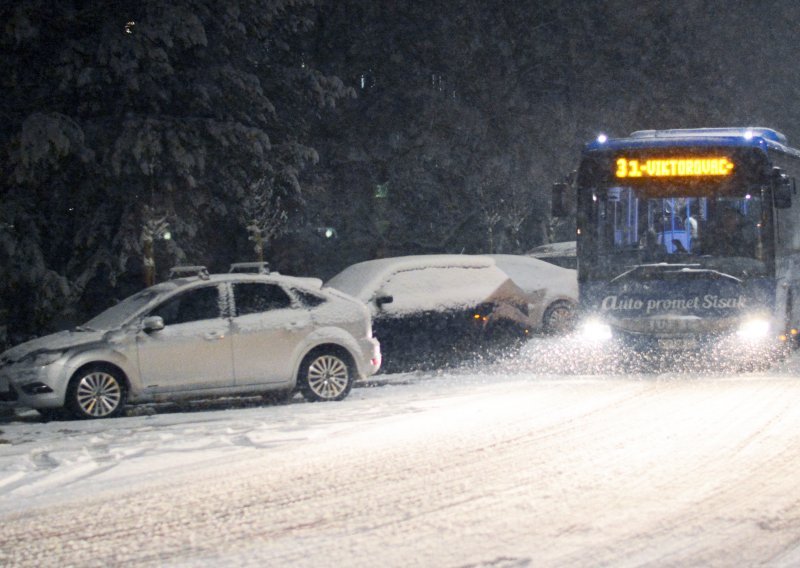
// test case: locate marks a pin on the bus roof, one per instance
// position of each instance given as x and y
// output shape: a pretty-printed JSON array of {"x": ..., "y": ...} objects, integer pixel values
[{"x": 746, "y": 136}]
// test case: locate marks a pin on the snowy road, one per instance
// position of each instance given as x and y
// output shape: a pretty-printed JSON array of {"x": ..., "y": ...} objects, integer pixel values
[{"x": 460, "y": 469}]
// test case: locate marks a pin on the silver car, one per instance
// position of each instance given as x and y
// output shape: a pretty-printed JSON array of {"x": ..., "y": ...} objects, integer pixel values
[{"x": 197, "y": 336}]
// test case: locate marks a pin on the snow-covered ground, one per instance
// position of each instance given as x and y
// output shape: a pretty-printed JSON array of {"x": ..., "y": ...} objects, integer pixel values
[{"x": 511, "y": 464}]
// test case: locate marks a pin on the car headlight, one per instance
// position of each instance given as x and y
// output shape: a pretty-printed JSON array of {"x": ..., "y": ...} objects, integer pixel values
[
  {"x": 42, "y": 359},
  {"x": 595, "y": 331},
  {"x": 754, "y": 329}
]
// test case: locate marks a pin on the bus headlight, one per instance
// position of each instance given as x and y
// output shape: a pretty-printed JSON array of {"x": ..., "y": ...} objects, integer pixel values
[
  {"x": 754, "y": 329},
  {"x": 595, "y": 331}
]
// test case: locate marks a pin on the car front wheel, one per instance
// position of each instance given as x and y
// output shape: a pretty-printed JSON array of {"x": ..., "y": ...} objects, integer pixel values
[
  {"x": 325, "y": 375},
  {"x": 559, "y": 318},
  {"x": 96, "y": 392}
]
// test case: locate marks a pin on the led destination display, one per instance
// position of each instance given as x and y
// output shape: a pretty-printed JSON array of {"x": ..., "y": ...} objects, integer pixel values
[{"x": 713, "y": 166}]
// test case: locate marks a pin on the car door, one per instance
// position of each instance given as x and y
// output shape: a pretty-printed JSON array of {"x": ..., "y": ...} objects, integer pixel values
[
  {"x": 194, "y": 350},
  {"x": 266, "y": 331}
]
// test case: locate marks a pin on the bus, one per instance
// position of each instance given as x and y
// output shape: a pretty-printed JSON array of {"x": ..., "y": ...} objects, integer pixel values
[{"x": 688, "y": 240}]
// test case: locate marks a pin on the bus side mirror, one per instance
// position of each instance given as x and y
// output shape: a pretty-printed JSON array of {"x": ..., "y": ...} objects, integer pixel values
[
  {"x": 558, "y": 204},
  {"x": 782, "y": 189}
]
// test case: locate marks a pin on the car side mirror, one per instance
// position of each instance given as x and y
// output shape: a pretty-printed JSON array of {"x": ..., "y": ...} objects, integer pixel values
[
  {"x": 782, "y": 189},
  {"x": 381, "y": 300},
  {"x": 152, "y": 323}
]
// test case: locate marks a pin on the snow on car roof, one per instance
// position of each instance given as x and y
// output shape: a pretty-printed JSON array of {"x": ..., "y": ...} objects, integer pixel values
[
  {"x": 426, "y": 282},
  {"x": 302, "y": 281},
  {"x": 365, "y": 277}
]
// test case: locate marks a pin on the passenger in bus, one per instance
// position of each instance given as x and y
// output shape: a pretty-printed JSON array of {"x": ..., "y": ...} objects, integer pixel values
[{"x": 691, "y": 225}]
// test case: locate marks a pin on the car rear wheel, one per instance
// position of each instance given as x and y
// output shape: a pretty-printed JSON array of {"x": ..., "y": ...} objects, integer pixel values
[
  {"x": 558, "y": 318},
  {"x": 96, "y": 392},
  {"x": 325, "y": 375}
]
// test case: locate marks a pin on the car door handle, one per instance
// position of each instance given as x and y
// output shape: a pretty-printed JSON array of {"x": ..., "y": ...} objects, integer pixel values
[{"x": 214, "y": 335}]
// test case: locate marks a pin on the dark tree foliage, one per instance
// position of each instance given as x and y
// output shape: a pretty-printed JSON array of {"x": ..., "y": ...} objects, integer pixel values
[{"x": 125, "y": 120}]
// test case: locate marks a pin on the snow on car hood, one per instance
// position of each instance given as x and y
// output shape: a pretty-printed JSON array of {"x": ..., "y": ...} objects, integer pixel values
[{"x": 60, "y": 341}]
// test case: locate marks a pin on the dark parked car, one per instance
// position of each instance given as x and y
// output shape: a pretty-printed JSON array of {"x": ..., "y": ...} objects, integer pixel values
[{"x": 433, "y": 310}]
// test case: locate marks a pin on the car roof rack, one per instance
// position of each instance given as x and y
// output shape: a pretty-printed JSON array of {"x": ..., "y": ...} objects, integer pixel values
[
  {"x": 251, "y": 267},
  {"x": 184, "y": 271}
]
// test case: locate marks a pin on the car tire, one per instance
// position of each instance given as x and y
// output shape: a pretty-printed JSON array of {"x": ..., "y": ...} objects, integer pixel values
[
  {"x": 325, "y": 375},
  {"x": 96, "y": 392},
  {"x": 559, "y": 318}
]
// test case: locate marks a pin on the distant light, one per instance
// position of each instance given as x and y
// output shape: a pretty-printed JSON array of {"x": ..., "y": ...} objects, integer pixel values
[
  {"x": 748, "y": 196},
  {"x": 326, "y": 232},
  {"x": 602, "y": 139},
  {"x": 166, "y": 236},
  {"x": 129, "y": 27},
  {"x": 748, "y": 134}
]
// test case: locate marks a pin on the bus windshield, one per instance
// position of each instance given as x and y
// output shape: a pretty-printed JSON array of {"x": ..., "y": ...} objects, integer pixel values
[{"x": 631, "y": 226}]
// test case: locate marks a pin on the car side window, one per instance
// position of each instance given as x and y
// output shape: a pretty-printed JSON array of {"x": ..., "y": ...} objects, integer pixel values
[
  {"x": 194, "y": 305},
  {"x": 257, "y": 297}
]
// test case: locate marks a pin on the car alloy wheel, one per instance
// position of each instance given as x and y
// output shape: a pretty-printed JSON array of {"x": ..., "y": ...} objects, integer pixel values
[
  {"x": 97, "y": 393},
  {"x": 327, "y": 377}
]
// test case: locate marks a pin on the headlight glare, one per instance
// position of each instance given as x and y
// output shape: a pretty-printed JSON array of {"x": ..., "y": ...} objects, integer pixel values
[
  {"x": 754, "y": 329},
  {"x": 595, "y": 331}
]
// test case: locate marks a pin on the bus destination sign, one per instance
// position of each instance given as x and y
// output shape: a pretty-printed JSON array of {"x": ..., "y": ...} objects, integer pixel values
[{"x": 712, "y": 166}]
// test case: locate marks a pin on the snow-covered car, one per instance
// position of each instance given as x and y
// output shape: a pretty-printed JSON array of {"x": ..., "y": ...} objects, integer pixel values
[
  {"x": 562, "y": 254},
  {"x": 552, "y": 291},
  {"x": 200, "y": 336},
  {"x": 431, "y": 310}
]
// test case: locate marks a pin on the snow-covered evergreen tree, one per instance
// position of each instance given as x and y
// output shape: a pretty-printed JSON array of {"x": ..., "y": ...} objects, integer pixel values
[{"x": 114, "y": 110}]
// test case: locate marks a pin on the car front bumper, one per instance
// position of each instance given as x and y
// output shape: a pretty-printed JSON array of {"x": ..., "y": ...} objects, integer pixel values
[{"x": 41, "y": 386}]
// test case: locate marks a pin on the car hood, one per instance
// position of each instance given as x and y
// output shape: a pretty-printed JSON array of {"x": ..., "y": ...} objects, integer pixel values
[{"x": 54, "y": 342}]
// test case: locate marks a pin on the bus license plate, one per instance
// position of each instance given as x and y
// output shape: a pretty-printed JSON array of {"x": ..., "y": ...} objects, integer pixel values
[{"x": 684, "y": 343}]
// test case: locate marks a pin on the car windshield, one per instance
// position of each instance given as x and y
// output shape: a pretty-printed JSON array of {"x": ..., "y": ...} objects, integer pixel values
[
  {"x": 725, "y": 233},
  {"x": 119, "y": 314}
]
